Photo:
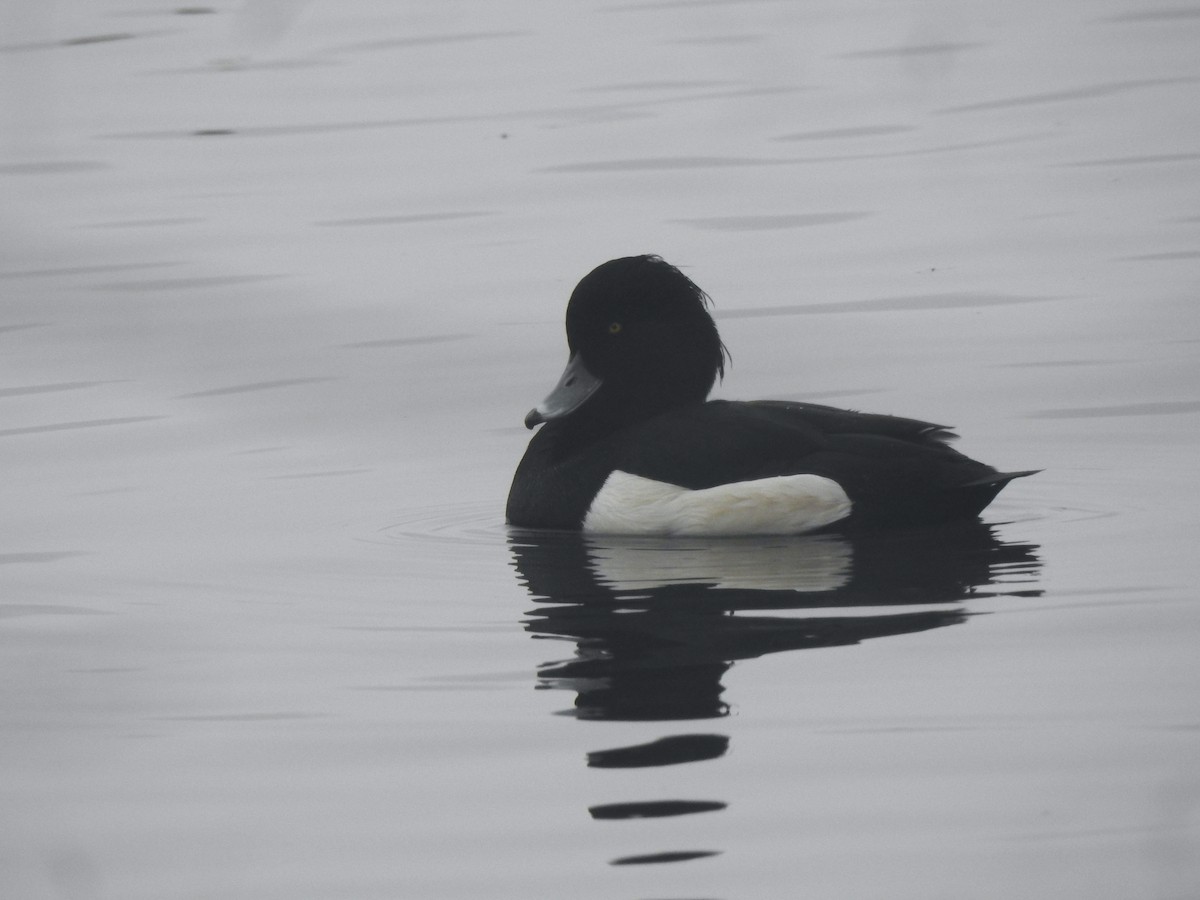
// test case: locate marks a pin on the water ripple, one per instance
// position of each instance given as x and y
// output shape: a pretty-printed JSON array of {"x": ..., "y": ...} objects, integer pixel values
[
  {"x": 661, "y": 163},
  {"x": 1163, "y": 257},
  {"x": 1153, "y": 408},
  {"x": 84, "y": 270},
  {"x": 44, "y": 556},
  {"x": 1087, "y": 92},
  {"x": 426, "y": 40},
  {"x": 1143, "y": 160},
  {"x": 71, "y": 426},
  {"x": 25, "y": 610},
  {"x": 914, "y": 50},
  {"x": 1162, "y": 14},
  {"x": 831, "y": 134},
  {"x": 415, "y": 219},
  {"x": 190, "y": 283},
  {"x": 255, "y": 386},
  {"x": 48, "y": 388},
  {"x": 768, "y": 223},
  {"x": 473, "y": 523},
  {"x": 406, "y": 341},
  {"x": 908, "y": 303}
]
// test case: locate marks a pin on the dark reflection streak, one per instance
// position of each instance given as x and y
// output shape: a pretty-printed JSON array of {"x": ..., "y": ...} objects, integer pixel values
[
  {"x": 912, "y": 50},
  {"x": 668, "y": 163},
  {"x": 569, "y": 113},
  {"x": 83, "y": 40},
  {"x": 98, "y": 39},
  {"x": 644, "y": 6},
  {"x": 84, "y": 270},
  {"x": 669, "y": 857},
  {"x": 668, "y": 751},
  {"x": 665, "y": 163},
  {"x": 48, "y": 388},
  {"x": 926, "y": 151},
  {"x": 408, "y": 342},
  {"x": 44, "y": 556},
  {"x": 418, "y": 219},
  {"x": 1168, "y": 256},
  {"x": 173, "y": 284},
  {"x": 654, "y": 809},
  {"x": 146, "y": 223},
  {"x": 660, "y": 665},
  {"x": 283, "y": 716},
  {"x": 71, "y": 426},
  {"x": 1155, "y": 15},
  {"x": 428, "y": 40},
  {"x": 838, "y": 134},
  {"x": 722, "y": 40},
  {"x": 297, "y": 129},
  {"x": 1147, "y": 160},
  {"x": 767, "y": 223},
  {"x": 1088, "y": 92},
  {"x": 1058, "y": 363},
  {"x": 1164, "y": 408},
  {"x": 639, "y": 86},
  {"x": 52, "y": 167},
  {"x": 818, "y": 396},
  {"x": 331, "y": 473},
  {"x": 29, "y": 610},
  {"x": 602, "y": 109},
  {"x": 256, "y": 386},
  {"x": 885, "y": 304}
]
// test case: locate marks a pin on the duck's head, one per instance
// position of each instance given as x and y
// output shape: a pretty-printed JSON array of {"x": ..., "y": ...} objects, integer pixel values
[{"x": 641, "y": 341}]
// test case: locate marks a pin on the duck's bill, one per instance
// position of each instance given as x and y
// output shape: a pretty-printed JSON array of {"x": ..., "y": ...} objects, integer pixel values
[{"x": 573, "y": 388}]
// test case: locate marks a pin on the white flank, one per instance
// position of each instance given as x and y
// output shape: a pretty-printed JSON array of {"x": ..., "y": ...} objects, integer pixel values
[
  {"x": 786, "y": 504},
  {"x": 800, "y": 563}
]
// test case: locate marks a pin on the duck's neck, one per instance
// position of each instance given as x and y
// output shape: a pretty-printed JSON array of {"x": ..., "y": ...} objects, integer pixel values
[{"x": 601, "y": 417}]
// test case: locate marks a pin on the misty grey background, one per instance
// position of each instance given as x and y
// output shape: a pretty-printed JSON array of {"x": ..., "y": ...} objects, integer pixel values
[{"x": 278, "y": 283}]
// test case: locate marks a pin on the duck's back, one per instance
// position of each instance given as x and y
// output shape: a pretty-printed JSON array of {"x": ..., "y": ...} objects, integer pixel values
[{"x": 893, "y": 471}]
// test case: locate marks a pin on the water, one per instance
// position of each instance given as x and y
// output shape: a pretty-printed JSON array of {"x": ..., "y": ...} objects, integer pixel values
[{"x": 277, "y": 286}]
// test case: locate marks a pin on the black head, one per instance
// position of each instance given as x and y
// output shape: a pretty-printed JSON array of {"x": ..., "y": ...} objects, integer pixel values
[{"x": 641, "y": 331}]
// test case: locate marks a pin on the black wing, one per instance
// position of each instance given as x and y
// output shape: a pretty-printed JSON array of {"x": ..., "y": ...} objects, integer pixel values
[{"x": 895, "y": 470}]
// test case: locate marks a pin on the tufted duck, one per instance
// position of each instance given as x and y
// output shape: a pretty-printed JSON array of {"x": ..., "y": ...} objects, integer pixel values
[{"x": 630, "y": 444}]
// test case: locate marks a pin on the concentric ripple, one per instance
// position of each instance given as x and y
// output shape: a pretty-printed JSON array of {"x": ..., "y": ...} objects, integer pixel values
[{"x": 476, "y": 523}]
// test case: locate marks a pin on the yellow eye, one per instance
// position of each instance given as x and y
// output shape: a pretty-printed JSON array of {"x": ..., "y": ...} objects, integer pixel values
[{"x": 614, "y": 328}]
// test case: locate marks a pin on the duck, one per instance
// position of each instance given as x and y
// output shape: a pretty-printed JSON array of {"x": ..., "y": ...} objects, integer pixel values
[{"x": 629, "y": 443}]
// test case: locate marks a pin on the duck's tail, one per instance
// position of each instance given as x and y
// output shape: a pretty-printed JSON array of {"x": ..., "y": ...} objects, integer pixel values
[
  {"x": 1000, "y": 478},
  {"x": 981, "y": 491}
]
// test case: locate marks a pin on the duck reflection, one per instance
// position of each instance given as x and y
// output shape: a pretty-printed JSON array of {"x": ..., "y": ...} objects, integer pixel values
[{"x": 656, "y": 623}]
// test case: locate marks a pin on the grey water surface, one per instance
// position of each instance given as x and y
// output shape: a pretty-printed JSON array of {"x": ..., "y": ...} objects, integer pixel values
[{"x": 278, "y": 283}]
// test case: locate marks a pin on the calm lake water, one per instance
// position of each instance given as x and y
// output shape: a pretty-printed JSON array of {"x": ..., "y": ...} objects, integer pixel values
[{"x": 278, "y": 283}]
